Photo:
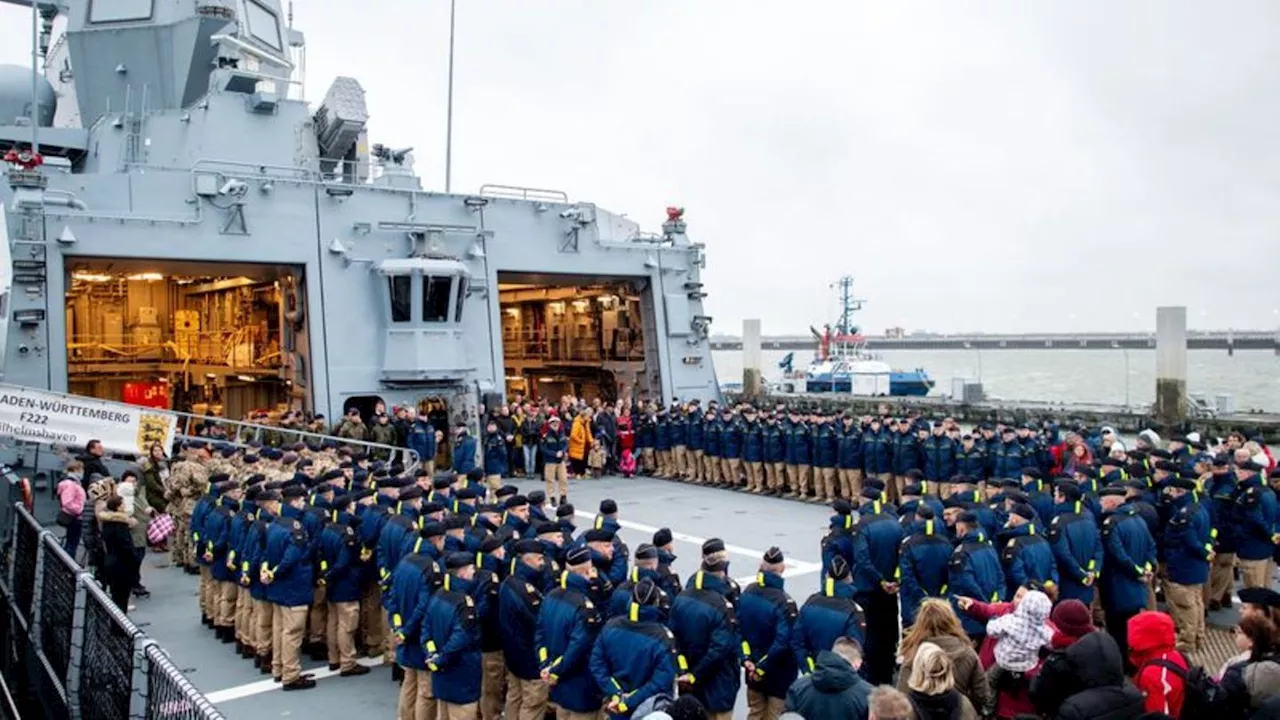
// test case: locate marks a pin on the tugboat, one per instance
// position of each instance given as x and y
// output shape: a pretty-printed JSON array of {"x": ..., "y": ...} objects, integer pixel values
[{"x": 843, "y": 365}]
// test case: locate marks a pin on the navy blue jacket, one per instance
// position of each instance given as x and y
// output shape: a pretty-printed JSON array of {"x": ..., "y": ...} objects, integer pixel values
[
  {"x": 1027, "y": 555},
  {"x": 1077, "y": 546},
  {"x": 568, "y": 623},
  {"x": 850, "y": 444},
  {"x": 634, "y": 658},
  {"x": 464, "y": 454},
  {"x": 339, "y": 555},
  {"x": 975, "y": 572},
  {"x": 1222, "y": 493},
  {"x": 422, "y": 440},
  {"x": 217, "y": 538},
  {"x": 922, "y": 565},
  {"x": 731, "y": 439},
  {"x": 286, "y": 557},
  {"x": 662, "y": 434},
  {"x": 711, "y": 440},
  {"x": 679, "y": 429},
  {"x": 827, "y": 616},
  {"x": 906, "y": 452},
  {"x": 752, "y": 442},
  {"x": 1255, "y": 517},
  {"x": 695, "y": 435},
  {"x": 773, "y": 440},
  {"x": 877, "y": 452},
  {"x": 971, "y": 462},
  {"x": 1131, "y": 551},
  {"x": 939, "y": 453},
  {"x": 837, "y": 541},
  {"x": 409, "y": 591},
  {"x": 647, "y": 432},
  {"x": 620, "y": 600},
  {"x": 1007, "y": 459},
  {"x": 876, "y": 538},
  {"x": 199, "y": 514},
  {"x": 766, "y": 615},
  {"x": 451, "y": 636},
  {"x": 826, "y": 445},
  {"x": 255, "y": 544},
  {"x": 495, "y": 454},
  {"x": 706, "y": 633},
  {"x": 555, "y": 447},
  {"x": 798, "y": 444},
  {"x": 398, "y": 530},
  {"x": 1187, "y": 542},
  {"x": 519, "y": 602},
  {"x": 240, "y": 525}
]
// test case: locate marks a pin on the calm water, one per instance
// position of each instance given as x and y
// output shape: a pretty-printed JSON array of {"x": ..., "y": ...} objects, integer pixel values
[{"x": 1251, "y": 377}]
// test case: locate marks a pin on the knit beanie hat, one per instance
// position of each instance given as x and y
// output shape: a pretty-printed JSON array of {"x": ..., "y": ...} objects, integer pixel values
[{"x": 1072, "y": 618}]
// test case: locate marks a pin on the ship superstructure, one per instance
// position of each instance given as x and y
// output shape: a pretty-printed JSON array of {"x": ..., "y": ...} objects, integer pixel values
[{"x": 187, "y": 232}]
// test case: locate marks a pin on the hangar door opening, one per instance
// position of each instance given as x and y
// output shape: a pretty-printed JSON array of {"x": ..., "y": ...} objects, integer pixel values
[
  {"x": 588, "y": 336},
  {"x": 223, "y": 339}
]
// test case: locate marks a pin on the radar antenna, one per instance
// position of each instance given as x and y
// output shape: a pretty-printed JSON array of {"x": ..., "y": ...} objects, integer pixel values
[{"x": 848, "y": 306}]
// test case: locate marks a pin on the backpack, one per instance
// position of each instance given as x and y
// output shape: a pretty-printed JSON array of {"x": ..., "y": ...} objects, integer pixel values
[{"x": 1201, "y": 695}]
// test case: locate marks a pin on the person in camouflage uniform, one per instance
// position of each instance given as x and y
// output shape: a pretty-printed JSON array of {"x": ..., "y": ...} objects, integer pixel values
[
  {"x": 352, "y": 427},
  {"x": 188, "y": 480}
]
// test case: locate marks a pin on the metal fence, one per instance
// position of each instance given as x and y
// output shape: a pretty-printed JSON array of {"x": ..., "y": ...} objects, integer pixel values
[{"x": 66, "y": 650}]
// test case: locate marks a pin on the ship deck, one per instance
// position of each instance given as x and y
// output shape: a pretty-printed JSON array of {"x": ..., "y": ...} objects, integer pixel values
[{"x": 748, "y": 524}]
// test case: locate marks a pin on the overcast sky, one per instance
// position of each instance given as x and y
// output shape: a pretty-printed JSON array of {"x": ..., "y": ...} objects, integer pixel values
[{"x": 1033, "y": 166}]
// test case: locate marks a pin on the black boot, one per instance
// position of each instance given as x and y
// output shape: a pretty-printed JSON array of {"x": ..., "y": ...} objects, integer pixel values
[
  {"x": 563, "y": 499},
  {"x": 397, "y": 673},
  {"x": 302, "y": 683}
]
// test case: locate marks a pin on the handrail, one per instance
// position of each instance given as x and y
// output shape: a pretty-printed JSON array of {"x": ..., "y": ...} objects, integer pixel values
[{"x": 517, "y": 192}]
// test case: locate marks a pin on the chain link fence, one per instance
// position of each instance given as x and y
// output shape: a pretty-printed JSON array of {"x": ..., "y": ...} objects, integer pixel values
[{"x": 69, "y": 652}]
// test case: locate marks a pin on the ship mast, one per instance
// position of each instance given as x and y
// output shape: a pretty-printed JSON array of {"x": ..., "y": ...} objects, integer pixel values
[{"x": 848, "y": 306}]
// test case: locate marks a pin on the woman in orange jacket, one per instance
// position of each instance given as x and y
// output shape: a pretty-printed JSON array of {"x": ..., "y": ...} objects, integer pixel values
[{"x": 580, "y": 443}]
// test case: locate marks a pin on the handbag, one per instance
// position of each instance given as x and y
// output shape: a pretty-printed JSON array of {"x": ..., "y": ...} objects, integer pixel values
[
  {"x": 160, "y": 529},
  {"x": 66, "y": 519}
]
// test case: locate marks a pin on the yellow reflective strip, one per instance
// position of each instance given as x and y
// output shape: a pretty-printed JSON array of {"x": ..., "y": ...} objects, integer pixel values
[
  {"x": 1140, "y": 569},
  {"x": 479, "y": 559},
  {"x": 746, "y": 648},
  {"x": 943, "y": 591},
  {"x": 622, "y": 706},
  {"x": 1077, "y": 507},
  {"x": 244, "y": 567},
  {"x": 633, "y": 612},
  {"x": 1032, "y": 531},
  {"x": 542, "y": 654},
  {"x": 397, "y": 620},
  {"x": 697, "y": 580},
  {"x": 848, "y": 521},
  {"x": 928, "y": 527},
  {"x": 760, "y": 579},
  {"x": 635, "y": 574},
  {"x": 1213, "y": 533},
  {"x": 875, "y": 505},
  {"x": 995, "y": 596},
  {"x": 231, "y": 558},
  {"x": 830, "y": 587},
  {"x": 897, "y": 573},
  {"x": 431, "y": 646},
  {"x": 683, "y": 663},
  {"x": 811, "y": 665},
  {"x": 1093, "y": 564},
  {"x": 416, "y": 545},
  {"x": 324, "y": 565},
  {"x": 446, "y": 582}
]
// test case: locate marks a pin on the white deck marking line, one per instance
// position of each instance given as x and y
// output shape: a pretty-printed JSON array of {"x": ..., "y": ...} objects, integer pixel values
[
  {"x": 240, "y": 692},
  {"x": 795, "y": 567}
]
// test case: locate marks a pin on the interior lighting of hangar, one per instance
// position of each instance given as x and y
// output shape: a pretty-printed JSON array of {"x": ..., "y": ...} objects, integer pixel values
[{"x": 221, "y": 339}]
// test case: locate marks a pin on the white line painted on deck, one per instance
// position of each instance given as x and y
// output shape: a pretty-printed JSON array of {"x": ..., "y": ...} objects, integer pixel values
[{"x": 240, "y": 692}]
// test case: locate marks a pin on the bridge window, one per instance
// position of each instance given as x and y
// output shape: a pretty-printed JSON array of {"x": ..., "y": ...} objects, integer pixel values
[
  {"x": 399, "y": 288},
  {"x": 462, "y": 295},
  {"x": 107, "y": 11},
  {"x": 435, "y": 298},
  {"x": 263, "y": 25}
]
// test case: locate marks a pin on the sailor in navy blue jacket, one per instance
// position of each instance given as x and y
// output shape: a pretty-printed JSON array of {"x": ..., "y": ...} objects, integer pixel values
[
  {"x": 287, "y": 572},
  {"x": 974, "y": 571},
  {"x": 913, "y": 496},
  {"x": 662, "y": 432},
  {"x": 1187, "y": 544},
  {"x": 646, "y": 568},
  {"x": 216, "y": 538},
  {"x": 752, "y": 441},
  {"x": 905, "y": 449},
  {"x": 422, "y": 439},
  {"x": 1255, "y": 517},
  {"x": 568, "y": 623},
  {"x": 670, "y": 580},
  {"x": 1039, "y": 495},
  {"x": 877, "y": 458},
  {"x": 766, "y": 616},
  {"x": 634, "y": 657},
  {"x": 939, "y": 452},
  {"x": 495, "y": 451},
  {"x": 519, "y": 603},
  {"x": 773, "y": 442},
  {"x": 1025, "y": 551},
  {"x": 971, "y": 460},
  {"x": 798, "y": 443},
  {"x": 838, "y": 542},
  {"x": 250, "y": 554},
  {"x": 1077, "y": 544},
  {"x": 876, "y": 539},
  {"x": 451, "y": 638},
  {"x": 606, "y": 557},
  {"x": 827, "y": 615},
  {"x": 342, "y": 575},
  {"x": 399, "y": 527},
  {"x": 1130, "y": 561},
  {"x": 199, "y": 544},
  {"x": 922, "y": 562},
  {"x": 704, "y": 623},
  {"x": 409, "y": 592},
  {"x": 850, "y": 449},
  {"x": 1006, "y": 456}
]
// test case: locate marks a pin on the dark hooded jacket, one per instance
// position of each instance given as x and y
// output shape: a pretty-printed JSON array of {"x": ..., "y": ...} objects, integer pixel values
[
  {"x": 950, "y": 705},
  {"x": 833, "y": 691},
  {"x": 1086, "y": 681}
]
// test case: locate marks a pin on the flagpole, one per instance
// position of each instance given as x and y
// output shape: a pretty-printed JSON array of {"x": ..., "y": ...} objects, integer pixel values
[{"x": 448, "y": 137}]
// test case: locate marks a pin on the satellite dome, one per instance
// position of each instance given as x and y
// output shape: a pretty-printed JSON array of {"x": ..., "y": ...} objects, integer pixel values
[{"x": 15, "y": 97}]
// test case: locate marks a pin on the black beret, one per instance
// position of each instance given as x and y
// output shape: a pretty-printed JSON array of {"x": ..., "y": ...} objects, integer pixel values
[
  {"x": 645, "y": 592},
  {"x": 578, "y": 555},
  {"x": 915, "y": 474},
  {"x": 842, "y": 507},
  {"x": 1260, "y": 596},
  {"x": 773, "y": 556},
  {"x": 361, "y": 494},
  {"x": 333, "y": 474},
  {"x": 714, "y": 545},
  {"x": 598, "y": 535},
  {"x": 1033, "y": 472},
  {"x": 1024, "y": 511},
  {"x": 537, "y": 497},
  {"x": 256, "y": 478},
  {"x": 968, "y": 517},
  {"x": 1070, "y": 491},
  {"x": 608, "y": 507},
  {"x": 217, "y": 478},
  {"x": 431, "y": 529},
  {"x": 516, "y": 501},
  {"x": 489, "y": 508},
  {"x": 459, "y": 560},
  {"x": 227, "y": 451},
  {"x": 490, "y": 543},
  {"x": 662, "y": 537},
  {"x": 1183, "y": 483},
  {"x": 1137, "y": 470},
  {"x": 646, "y": 552},
  {"x": 1221, "y": 461},
  {"x": 950, "y": 502},
  {"x": 196, "y": 444},
  {"x": 465, "y": 493},
  {"x": 430, "y": 508},
  {"x": 1017, "y": 496},
  {"x": 876, "y": 483},
  {"x": 528, "y": 546},
  {"x": 962, "y": 480},
  {"x": 441, "y": 482},
  {"x": 924, "y": 512},
  {"x": 1116, "y": 490},
  {"x": 268, "y": 496},
  {"x": 304, "y": 462},
  {"x": 411, "y": 493},
  {"x": 871, "y": 493},
  {"x": 1161, "y": 453},
  {"x": 249, "y": 459},
  {"x": 545, "y": 528},
  {"x": 1012, "y": 483},
  {"x": 294, "y": 491},
  {"x": 1165, "y": 466},
  {"x": 506, "y": 491},
  {"x": 913, "y": 489},
  {"x": 564, "y": 510},
  {"x": 341, "y": 502},
  {"x": 454, "y": 522},
  {"x": 1250, "y": 465},
  {"x": 1135, "y": 484},
  {"x": 839, "y": 568}
]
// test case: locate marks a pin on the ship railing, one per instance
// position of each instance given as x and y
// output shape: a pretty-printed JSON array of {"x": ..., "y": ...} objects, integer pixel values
[
  {"x": 69, "y": 651},
  {"x": 240, "y": 349},
  {"x": 534, "y": 345},
  {"x": 516, "y": 192}
]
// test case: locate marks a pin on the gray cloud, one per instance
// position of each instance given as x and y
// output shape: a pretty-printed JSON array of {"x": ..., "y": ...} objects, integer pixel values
[{"x": 993, "y": 166}]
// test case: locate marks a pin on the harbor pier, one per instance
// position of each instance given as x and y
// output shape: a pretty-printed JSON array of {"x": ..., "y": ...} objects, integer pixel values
[{"x": 1228, "y": 340}]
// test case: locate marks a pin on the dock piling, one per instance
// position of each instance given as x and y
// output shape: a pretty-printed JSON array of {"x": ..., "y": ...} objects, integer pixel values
[
  {"x": 752, "y": 370},
  {"x": 1171, "y": 365}
]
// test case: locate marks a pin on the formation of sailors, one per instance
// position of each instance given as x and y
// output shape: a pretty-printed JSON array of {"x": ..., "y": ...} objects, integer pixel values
[{"x": 494, "y": 604}]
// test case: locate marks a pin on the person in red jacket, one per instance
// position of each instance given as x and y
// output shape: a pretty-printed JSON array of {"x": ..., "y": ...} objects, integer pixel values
[{"x": 1153, "y": 650}]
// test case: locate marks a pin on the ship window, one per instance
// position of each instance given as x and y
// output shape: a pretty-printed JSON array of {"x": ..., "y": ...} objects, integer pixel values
[
  {"x": 106, "y": 11},
  {"x": 462, "y": 295},
  {"x": 435, "y": 298},
  {"x": 263, "y": 25},
  {"x": 398, "y": 287}
]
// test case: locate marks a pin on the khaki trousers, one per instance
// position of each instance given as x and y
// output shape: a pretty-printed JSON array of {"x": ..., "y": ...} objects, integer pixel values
[
  {"x": 449, "y": 711},
  {"x": 416, "y": 699},
  {"x": 526, "y": 699},
  {"x": 1255, "y": 573},
  {"x": 244, "y": 615},
  {"x": 791, "y": 479},
  {"x": 493, "y": 483},
  {"x": 493, "y": 676},
  {"x": 710, "y": 469},
  {"x": 800, "y": 484},
  {"x": 288, "y": 627},
  {"x": 226, "y": 593},
  {"x": 372, "y": 628},
  {"x": 343, "y": 621},
  {"x": 647, "y": 461},
  {"x": 850, "y": 483},
  {"x": 182, "y": 553},
  {"x": 775, "y": 475},
  {"x": 264, "y": 621},
  {"x": 755, "y": 476},
  {"x": 562, "y": 714},
  {"x": 664, "y": 463},
  {"x": 697, "y": 467},
  {"x": 317, "y": 616},
  {"x": 680, "y": 454},
  {"x": 556, "y": 477},
  {"x": 763, "y": 707},
  {"x": 208, "y": 594},
  {"x": 1221, "y": 576},
  {"x": 1186, "y": 606},
  {"x": 828, "y": 490}
]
